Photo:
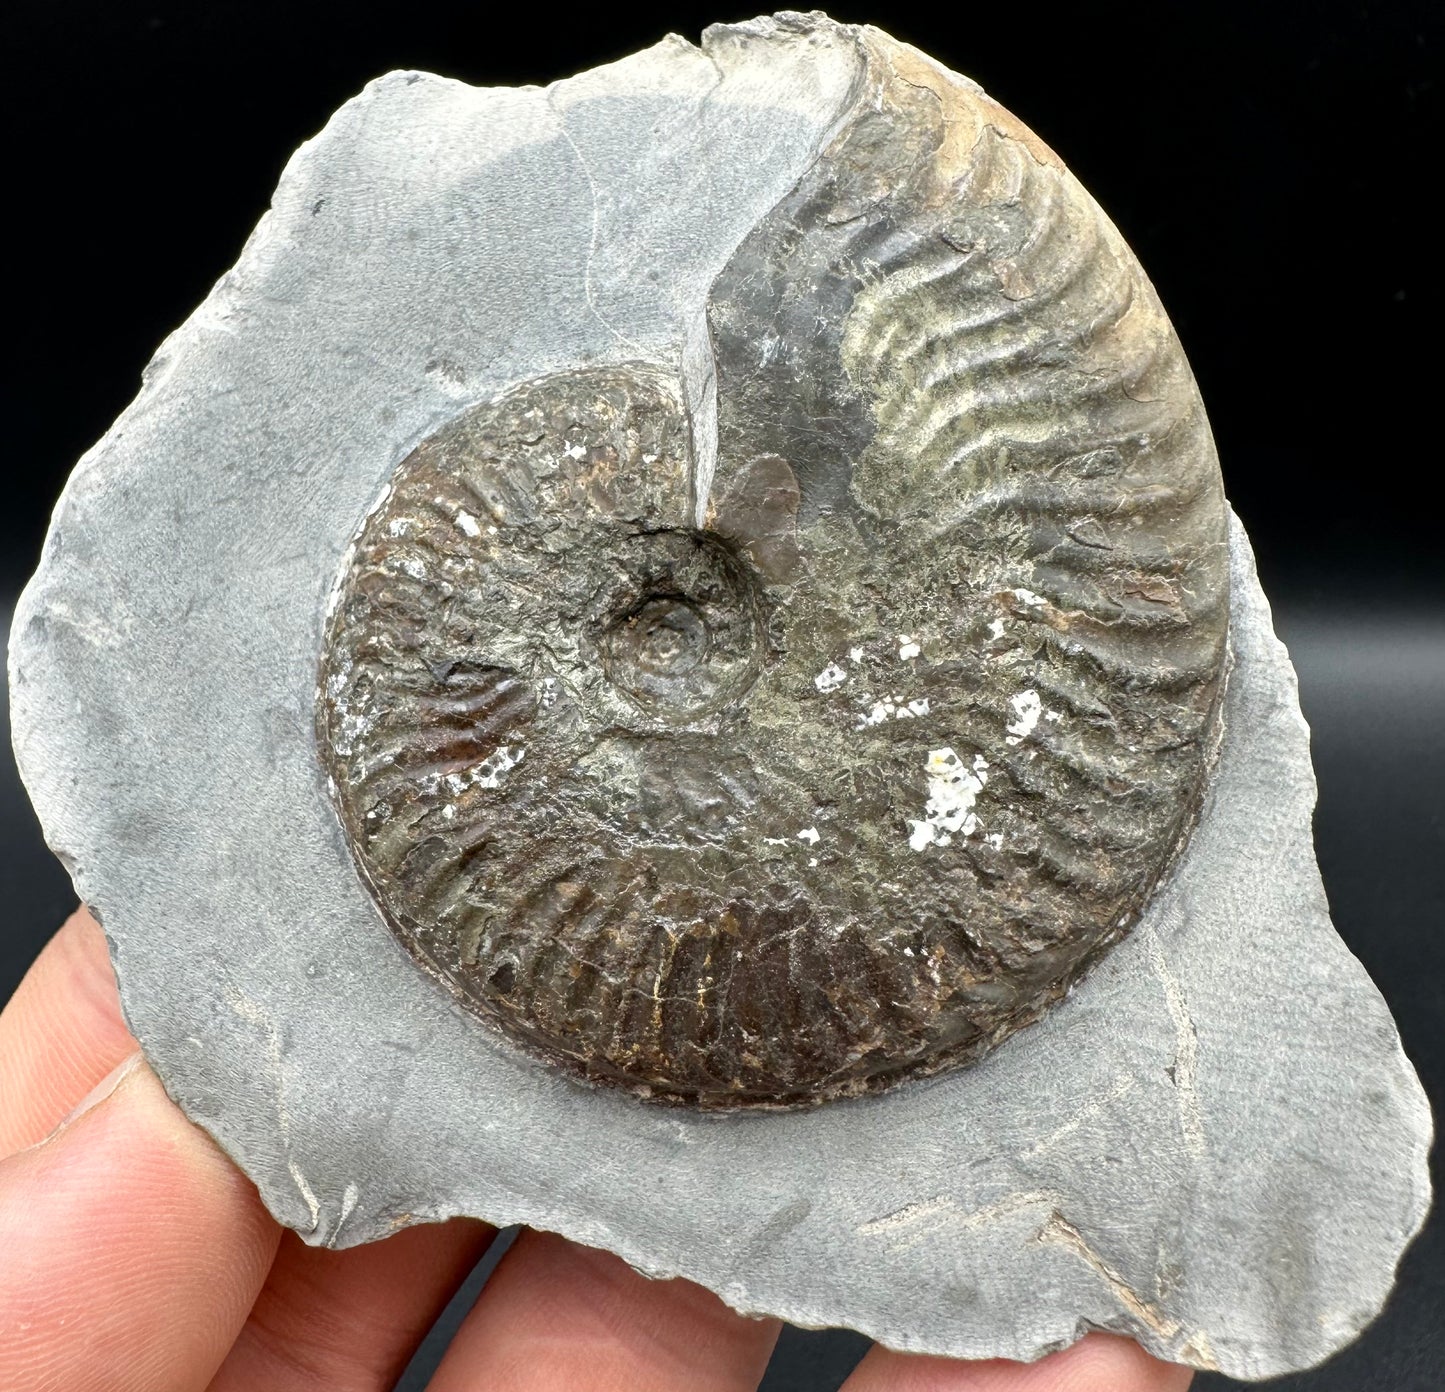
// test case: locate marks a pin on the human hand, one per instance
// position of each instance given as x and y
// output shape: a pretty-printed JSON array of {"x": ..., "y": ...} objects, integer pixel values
[{"x": 137, "y": 1258}]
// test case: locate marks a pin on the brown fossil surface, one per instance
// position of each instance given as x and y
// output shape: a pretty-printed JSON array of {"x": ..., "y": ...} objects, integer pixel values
[{"x": 792, "y": 768}]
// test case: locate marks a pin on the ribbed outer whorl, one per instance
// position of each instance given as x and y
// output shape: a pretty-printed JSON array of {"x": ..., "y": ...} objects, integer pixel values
[{"x": 855, "y": 778}]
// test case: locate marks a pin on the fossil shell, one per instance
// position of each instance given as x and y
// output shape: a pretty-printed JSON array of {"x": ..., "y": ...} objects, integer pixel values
[{"x": 788, "y": 741}]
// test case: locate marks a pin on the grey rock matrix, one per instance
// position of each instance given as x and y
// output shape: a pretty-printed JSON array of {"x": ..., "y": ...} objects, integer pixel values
[{"x": 728, "y": 460}]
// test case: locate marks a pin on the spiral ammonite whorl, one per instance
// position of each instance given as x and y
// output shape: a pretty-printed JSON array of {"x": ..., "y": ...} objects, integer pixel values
[{"x": 784, "y": 758}]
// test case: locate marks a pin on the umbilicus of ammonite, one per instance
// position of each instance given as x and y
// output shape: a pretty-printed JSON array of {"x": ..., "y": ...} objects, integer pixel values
[{"x": 790, "y": 761}]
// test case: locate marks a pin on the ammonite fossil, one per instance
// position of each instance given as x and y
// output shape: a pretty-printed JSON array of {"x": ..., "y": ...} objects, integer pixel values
[{"x": 781, "y": 732}]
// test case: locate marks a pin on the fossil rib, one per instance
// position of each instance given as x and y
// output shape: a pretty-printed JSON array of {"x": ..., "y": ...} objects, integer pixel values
[{"x": 851, "y": 781}]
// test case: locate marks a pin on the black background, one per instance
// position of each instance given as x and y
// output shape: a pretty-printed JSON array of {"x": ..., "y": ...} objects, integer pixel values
[{"x": 1275, "y": 166}]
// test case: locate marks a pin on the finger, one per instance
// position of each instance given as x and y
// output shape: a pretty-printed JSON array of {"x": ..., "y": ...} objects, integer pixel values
[
  {"x": 1097, "y": 1363},
  {"x": 61, "y": 1033},
  {"x": 555, "y": 1315},
  {"x": 132, "y": 1249},
  {"x": 349, "y": 1321}
]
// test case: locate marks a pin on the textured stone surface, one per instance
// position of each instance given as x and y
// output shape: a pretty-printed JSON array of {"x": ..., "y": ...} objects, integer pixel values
[{"x": 1214, "y": 1143}]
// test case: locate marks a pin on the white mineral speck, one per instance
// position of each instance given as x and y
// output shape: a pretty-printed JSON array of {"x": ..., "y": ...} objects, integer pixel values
[
  {"x": 1029, "y": 597},
  {"x": 890, "y": 708},
  {"x": 995, "y": 839},
  {"x": 855, "y": 654},
  {"x": 953, "y": 789},
  {"x": 495, "y": 767},
  {"x": 399, "y": 526},
  {"x": 810, "y": 835},
  {"x": 830, "y": 678},
  {"x": 575, "y": 451},
  {"x": 876, "y": 716},
  {"x": 908, "y": 647},
  {"x": 1026, "y": 707},
  {"x": 995, "y": 628},
  {"x": 468, "y": 523},
  {"x": 413, "y": 567}
]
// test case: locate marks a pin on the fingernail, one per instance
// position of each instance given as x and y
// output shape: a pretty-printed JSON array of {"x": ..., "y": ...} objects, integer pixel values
[{"x": 103, "y": 1088}]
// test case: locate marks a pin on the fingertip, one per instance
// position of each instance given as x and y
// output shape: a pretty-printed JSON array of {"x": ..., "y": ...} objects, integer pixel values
[
  {"x": 1109, "y": 1361},
  {"x": 556, "y": 1315},
  {"x": 352, "y": 1318},
  {"x": 134, "y": 1248},
  {"x": 60, "y": 1034},
  {"x": 1096, "y": 1363}
]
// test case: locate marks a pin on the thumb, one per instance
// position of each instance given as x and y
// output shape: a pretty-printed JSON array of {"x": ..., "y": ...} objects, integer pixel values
[{"x": 133, "y": 1248}]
